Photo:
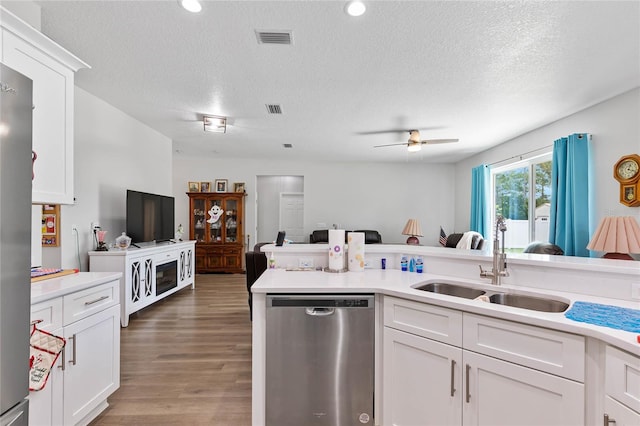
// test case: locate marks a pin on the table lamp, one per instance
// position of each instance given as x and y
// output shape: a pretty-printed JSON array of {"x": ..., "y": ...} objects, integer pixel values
[
  {"x": 412, "y": 228},
  {"x": 617, "y": 236}
]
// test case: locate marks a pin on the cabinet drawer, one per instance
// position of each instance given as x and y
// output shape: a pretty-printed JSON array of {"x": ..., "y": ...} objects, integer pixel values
[
  {"x": 50, "y": 312},
  {"x": 165, "y": 257},
  {"x": 547, "y": 350},
  {"x": 622, "y": 380},
  {"x": 434, "y": 322},
  {"x": 90, "y": 301}
]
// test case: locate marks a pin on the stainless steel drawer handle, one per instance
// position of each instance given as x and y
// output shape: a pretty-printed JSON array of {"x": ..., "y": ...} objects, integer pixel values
[
  {"x": 453, "y": 368},
  {"x": 468, "y": 398},
  {"x": 96, "y": 301},
  {"x": 607, "y": 420},
  {"x": 75, "y": 343},
  {"x": 319, "y": 312},
  {"x": 64, "y": 351}
]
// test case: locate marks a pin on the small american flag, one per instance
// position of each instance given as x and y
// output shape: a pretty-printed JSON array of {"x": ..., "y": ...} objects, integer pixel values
[{"x": 443, "y": 237}]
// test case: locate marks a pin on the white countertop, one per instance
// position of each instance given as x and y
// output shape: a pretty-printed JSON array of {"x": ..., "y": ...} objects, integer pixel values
[
  {"x": 56, "y": 287},
  {"x": 397, "y": 283}
]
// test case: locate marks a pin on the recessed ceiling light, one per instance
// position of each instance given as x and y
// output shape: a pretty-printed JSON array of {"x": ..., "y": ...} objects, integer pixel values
[
  {"x": 356, "y": 8},
  {"x": 193, "y": 6}
]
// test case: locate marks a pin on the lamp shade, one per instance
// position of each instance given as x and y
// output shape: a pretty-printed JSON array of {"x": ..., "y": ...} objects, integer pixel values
[
  {"x": 616, "y": 234},
  {"x": 412, "y": 228}
]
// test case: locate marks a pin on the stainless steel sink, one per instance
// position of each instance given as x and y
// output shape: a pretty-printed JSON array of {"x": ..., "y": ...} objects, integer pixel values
[
  {"x": 452, "y": 290},
  {"x": 528, "y": 302}
]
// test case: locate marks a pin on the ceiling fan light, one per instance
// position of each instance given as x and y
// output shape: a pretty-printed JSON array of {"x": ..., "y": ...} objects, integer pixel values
[
  {"x": 414, "y": 146},
  {"x": 356, "y": 8},
  {"x": 192, "y": 6}
]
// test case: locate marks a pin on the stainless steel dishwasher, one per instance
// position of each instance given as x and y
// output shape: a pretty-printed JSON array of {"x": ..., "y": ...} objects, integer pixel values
[{"x": 319, "y": 360}]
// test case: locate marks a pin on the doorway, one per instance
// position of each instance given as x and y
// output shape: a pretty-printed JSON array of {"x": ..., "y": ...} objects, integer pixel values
[
  {"x": 268, "y": 190},
  {"x": 292, "y": 215}
]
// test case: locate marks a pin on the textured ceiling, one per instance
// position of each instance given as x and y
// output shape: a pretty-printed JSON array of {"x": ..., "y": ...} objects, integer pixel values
[{"x": 480, "y": 71}]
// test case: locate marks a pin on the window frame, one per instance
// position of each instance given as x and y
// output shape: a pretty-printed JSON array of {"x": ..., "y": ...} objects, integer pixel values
[{"x": 530, "y": 163}]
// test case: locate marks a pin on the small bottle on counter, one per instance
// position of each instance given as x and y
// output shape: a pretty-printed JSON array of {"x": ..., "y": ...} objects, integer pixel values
[
  {"x": 419, "y": 264},
  {"x": 412, "y": 265},
  {"x": 272, "y": 261},
  {"x": 403, "y": 263}
]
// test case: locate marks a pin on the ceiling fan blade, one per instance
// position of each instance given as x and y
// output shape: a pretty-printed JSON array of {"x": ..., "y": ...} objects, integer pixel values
[
  {"x": 437, "y": 141},
  {"x": 390, "y": 144},
  {"x": 399, "y": 130}
]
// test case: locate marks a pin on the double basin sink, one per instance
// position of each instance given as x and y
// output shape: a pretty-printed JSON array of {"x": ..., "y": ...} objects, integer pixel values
[{"x": 522, "y": 301}]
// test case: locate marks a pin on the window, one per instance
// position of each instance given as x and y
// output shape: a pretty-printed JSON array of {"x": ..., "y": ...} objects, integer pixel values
[{"x": 526, "y": 211}]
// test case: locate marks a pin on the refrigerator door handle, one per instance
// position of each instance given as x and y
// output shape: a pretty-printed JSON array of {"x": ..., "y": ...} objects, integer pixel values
[{"x": 319, "y": 312}]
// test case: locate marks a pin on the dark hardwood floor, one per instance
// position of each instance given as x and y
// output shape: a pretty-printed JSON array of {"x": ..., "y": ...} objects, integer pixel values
[{"x": 186, "y": 360}]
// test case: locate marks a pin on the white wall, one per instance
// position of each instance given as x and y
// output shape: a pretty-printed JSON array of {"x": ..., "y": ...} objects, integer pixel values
[
  {"x": 268, "y": 204},
  {"x": 615, "y": 126},
  {"x": 354, "y": 195},
  {"x": 113, "y": 153}
]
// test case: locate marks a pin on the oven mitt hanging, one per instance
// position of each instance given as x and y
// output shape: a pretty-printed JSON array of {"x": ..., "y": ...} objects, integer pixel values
[{"x": 44, "y": 351}]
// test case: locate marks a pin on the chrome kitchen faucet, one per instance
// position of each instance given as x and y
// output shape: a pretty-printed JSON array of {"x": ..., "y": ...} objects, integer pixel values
[{"x": 499, "y": 268}]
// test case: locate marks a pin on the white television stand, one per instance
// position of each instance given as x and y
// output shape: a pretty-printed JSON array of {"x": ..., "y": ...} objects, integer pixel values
[{"x": 149, "y": 273}]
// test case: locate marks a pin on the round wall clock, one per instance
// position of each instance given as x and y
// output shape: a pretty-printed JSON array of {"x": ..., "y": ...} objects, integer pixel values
[{"x": 627, "y": 172}]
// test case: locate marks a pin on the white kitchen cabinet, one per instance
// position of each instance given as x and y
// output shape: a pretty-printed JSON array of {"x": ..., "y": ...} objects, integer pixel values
[
  {"x": 428, "y": 382},
  {"x": 52, "y": 70},
  {"x": 88, "y": 369},
  {"x": 45, "y": 406},
  {"x": 422, "y": 381},
  {"x": 149, "y": 273},
  {"x": 498, "y": 393},
  {"x": 622, "y": 387},
  {"x": 92, "y": 369},
  {"x": 617, "y": 414}
]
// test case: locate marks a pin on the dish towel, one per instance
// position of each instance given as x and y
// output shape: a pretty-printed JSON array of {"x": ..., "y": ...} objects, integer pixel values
[
  {"x": 605, "y": 315},
  {"x": 467, "y": 240}
]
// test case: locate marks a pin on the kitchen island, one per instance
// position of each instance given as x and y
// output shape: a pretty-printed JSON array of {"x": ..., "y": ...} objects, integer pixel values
[{"x": 566, "y": 359}]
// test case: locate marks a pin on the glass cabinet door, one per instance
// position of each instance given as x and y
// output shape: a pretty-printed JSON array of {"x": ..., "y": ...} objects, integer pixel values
[
  {"x": 231, "y": 221},
  {"x": 215, "y": 220},
  {"x": 199, "y": 220}
]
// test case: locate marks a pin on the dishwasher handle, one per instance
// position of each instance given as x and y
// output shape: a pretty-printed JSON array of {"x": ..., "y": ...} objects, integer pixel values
[{"x": 319, "y": 312}]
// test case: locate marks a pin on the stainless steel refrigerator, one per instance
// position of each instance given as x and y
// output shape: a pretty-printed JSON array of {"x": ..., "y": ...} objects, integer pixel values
[{"x": 15, "y": 244}]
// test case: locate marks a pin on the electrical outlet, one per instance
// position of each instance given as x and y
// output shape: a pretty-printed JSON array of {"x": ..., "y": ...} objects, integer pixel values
[
  {"x": 94, "y": 226},
  {"x": 635, "y": 291},
  {"x": 74, "y": 229},
  {"x": 305, "y": 262}
]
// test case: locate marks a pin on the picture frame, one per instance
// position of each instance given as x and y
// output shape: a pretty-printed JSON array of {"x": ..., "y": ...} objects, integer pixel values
[
  {"x": 194, "y": 186},
  {"x": 205, "y": 186},
  {"x": 50, "y": 228},
  {"x": 221, "y": 185},
  {"x": 238, "y": 187}
]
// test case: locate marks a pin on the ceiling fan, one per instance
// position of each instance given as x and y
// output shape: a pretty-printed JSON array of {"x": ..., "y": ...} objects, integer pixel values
[{"x": 414, "y": 143}]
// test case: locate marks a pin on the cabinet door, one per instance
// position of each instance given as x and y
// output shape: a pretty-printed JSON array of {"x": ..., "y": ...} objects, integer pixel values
[
  {"x": 422, "y": 382},
  {"x": 45, "y": 405},
  {"x": 52, "y": 118},
  {"x": 215, "y": 219},
  {"x": 232, "y": 221},
  {"x": 501, "y": 393},
  {"x": 185, "y": 267},
  {"x": 139, "y": 282},
  {"x": 198, "y": 219},
  {"x": 92, "y": 363},
  {"x": 621, "y": 414}
]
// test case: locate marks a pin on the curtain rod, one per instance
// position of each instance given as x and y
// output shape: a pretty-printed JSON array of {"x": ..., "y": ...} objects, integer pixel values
[{"x": 520, "y": 156}]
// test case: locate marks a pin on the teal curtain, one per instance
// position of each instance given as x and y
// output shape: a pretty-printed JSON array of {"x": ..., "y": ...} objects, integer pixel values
[
  {"x": 571, "y": 201},
  {"x": 479, "y": 199}
]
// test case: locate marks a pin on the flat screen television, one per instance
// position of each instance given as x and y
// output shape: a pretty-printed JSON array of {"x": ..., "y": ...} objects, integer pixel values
[{"x": 150, "y": 217}]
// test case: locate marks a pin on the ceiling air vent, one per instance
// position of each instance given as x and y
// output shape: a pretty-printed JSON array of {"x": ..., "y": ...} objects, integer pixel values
[
  {"x": 274, "y": 109},
  {"x": 287, "y": 145},
  {"x": 274, "y": 37}
]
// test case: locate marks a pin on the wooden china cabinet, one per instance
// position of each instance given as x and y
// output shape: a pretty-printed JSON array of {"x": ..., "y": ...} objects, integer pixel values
[{"x": 216, "y": 223}]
